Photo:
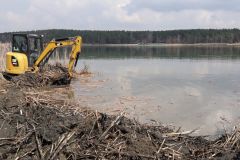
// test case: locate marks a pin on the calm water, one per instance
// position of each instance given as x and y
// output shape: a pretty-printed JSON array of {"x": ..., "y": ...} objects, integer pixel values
[{"x": 191, "y": 87}]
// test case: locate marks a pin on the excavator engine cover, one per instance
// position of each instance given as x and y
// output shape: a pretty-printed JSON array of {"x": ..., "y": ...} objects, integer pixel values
[{"x": 16, "y": 63}]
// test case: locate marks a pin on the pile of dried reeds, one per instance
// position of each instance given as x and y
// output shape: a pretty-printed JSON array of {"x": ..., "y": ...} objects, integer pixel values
[
  {"x": 49, "y": 75},
  {"x": 36, "y": 126}
]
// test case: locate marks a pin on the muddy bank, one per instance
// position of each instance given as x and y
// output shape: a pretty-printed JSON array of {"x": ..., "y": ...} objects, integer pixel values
[{"x": 36, "y": 126}]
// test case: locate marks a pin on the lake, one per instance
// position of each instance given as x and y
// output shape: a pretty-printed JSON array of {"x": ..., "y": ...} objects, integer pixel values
[{"x": 188, "y": 87}]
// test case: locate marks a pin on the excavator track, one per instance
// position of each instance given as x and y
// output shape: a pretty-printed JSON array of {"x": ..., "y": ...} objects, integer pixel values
[{"x": 7, "y": 76}]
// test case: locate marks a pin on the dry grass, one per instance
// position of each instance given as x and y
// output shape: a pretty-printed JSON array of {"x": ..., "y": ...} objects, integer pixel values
[
  {"x": 85, "y": 71},
  {"x": 4, "y": 47}
]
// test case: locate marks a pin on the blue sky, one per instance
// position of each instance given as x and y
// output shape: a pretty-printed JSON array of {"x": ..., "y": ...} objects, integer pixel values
[{"x": 18, "y": 15}]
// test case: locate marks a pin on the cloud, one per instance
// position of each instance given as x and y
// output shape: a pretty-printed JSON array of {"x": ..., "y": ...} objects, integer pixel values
[
  {"x": 177, "y": 5},
  {"x": 118, "y": 14}
]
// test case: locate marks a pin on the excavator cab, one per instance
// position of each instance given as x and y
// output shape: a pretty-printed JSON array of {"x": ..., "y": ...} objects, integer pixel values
[
  {"x": 29, "y": 44},
  {"x": 25, "y": 50}
]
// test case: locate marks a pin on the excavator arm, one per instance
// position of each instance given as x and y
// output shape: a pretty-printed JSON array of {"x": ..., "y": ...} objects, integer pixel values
[{"x": 75, "y": 42}]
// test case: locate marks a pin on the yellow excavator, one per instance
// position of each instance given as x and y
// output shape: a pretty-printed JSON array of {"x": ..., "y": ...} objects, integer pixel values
[{"x": 28, "y": 53}]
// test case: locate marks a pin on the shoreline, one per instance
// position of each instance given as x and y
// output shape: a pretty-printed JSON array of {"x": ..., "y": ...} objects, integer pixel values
[
  {"x": 67, "y": 128},
  {"x": 165, "y": 45},
  {"x": 7, "y": 45}
]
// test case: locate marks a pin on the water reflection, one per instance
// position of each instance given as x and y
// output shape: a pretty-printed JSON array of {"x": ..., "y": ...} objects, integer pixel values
[
  {"x": 190, "y": 87},
  {"x": 184, "y": 52},
  {"x": 162, "y": 52}
]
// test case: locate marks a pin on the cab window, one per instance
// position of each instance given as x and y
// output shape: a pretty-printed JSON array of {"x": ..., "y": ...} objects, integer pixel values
[
  {"x": 19, "y": 44},
  {"x": 34, "y": 47}
]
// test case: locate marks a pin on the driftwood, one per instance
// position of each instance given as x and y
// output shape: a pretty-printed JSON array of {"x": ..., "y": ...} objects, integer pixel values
[{"x": 115, "y": 122}]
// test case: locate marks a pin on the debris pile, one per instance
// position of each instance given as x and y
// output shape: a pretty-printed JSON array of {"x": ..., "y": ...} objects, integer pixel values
[
  {"x": 48, "y": 75},
  {"x": 36, "y": 126}
]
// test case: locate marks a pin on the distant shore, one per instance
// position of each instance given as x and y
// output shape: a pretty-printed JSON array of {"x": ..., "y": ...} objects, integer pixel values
[
  {"x": 7, "y": 45},
  {"x": 167, "y": 45}
]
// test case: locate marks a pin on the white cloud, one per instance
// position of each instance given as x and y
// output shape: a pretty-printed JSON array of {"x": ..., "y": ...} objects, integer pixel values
[
  {"x": 179, "y": 5},
  {"x": 119, "y": 14}
]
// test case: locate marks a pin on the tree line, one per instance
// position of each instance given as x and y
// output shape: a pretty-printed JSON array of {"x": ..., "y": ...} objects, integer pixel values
[{"x": 140, "y": 37}]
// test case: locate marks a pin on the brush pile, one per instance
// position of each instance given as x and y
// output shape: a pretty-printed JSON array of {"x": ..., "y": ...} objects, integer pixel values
[
  {"x": 48, "y": 75},
  {"x": 36, "y": 126}
]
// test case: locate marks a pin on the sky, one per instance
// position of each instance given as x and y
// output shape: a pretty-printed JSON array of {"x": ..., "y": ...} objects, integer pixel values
[{"x": 22, "y": 15}]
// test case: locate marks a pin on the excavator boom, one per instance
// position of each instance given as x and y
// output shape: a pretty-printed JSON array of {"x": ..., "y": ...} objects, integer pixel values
[{"x": 75, "y": 42}]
